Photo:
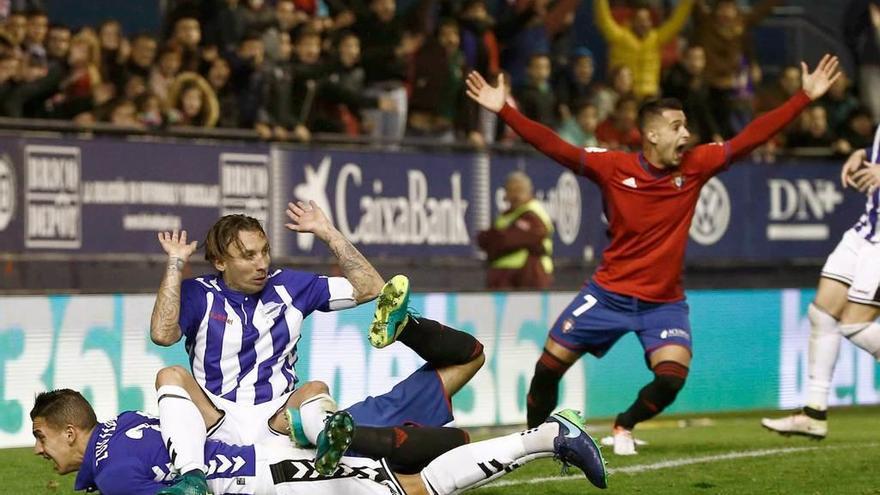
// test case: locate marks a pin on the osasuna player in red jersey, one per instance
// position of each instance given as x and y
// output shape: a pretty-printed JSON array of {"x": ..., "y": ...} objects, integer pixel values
[{"x": 650, "y": 199}]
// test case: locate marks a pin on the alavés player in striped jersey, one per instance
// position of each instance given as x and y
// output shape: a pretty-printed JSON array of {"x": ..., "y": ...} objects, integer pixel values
[
  {"x": 649, "y": 198},
  {"x": 847, "y": 302},
  {"x": 241, "y": 327}
]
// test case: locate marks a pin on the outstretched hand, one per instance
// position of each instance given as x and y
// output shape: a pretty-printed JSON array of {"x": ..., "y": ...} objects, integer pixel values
[
  {"x": 816, "y": 83},
  {"x": 308, "y": 218},
  {"x": 491, "y": 97},
  {"x": 176, "y": 246}
]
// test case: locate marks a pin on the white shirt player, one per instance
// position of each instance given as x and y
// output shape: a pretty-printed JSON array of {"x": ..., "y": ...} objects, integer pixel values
[{"x": 868, "y": 226}]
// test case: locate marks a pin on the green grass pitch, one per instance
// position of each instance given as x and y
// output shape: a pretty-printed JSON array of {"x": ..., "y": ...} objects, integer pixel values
[{"x": 709, "y": 454}]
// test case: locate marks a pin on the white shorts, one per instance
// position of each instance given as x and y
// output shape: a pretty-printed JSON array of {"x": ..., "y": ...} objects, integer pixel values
[
  {"x": 291, "y": 471},
  {"x": 247, "y": 424},
  {"x": 856, "y": 263}
]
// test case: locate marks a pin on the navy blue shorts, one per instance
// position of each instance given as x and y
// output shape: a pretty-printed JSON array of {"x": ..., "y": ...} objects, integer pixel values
[
  {"x": 598, "y": 318},
  {"x": 418, "y": 399}
]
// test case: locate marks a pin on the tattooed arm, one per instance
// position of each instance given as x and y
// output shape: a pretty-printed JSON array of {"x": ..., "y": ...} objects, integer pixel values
[
  {"x": 165, "y": 321},
  {"x": 363, "y": 277}
]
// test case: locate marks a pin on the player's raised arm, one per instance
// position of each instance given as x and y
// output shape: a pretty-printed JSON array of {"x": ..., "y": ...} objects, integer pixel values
[
  {"x": 539, "y": 136},
  {"x": 814, "y": 85},
  {"x": 165, "y": 321},
  {"x": 363, "y": 277}
]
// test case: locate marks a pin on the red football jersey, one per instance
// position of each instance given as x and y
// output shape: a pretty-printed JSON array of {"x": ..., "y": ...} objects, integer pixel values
[{"x": 649, "y": 209}]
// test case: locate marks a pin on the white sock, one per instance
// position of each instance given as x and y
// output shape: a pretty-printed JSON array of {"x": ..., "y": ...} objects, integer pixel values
[
  {"x": 183, "y": 428},
  {"x": 313, "y": 412},
  {"x": 824, "y": 348},
  {"x": 864, "y": 335},
  {"x": 478, "y": 463}
]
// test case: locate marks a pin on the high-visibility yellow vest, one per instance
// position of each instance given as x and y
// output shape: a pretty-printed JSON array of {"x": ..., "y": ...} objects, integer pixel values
[{"x": 517, "y": 259}]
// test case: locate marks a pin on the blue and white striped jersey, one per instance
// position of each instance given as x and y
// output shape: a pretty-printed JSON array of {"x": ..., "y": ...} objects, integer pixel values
[
  {"x": 126, "y": 456},
  {"x": 867, "y": 227},
  {"x": 243, "y": 347}
]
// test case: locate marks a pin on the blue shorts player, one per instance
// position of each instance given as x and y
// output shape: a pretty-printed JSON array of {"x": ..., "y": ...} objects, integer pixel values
[{"x": 650, "y": 198}]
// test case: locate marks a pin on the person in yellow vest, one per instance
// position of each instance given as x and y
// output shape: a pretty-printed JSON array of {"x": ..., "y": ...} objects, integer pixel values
[
  {"x": 639, "y": 45},
  {"x": 519, "y": 246}
]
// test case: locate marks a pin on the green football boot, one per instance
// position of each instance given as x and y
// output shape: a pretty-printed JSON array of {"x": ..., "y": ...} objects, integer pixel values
[
  {"x": 333, "y": 441},
  {"x": 191, "y": 483},
  {"x": 297, "y": 434},
  {"x": 392, "y": 312}
]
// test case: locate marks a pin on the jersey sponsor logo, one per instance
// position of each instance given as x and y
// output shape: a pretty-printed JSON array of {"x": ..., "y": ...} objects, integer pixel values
[
  {"x": 712, "y": 214},
  {"x": 630, "y": 182},
  {"x": 568, "y": 325},
  {"x": 671, "y": 333},
  {"x": 7, "y": 191},
  {"x": 219, "y": 317}
]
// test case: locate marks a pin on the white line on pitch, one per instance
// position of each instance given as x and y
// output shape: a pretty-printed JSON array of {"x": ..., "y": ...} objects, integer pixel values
[{"x": 687, "y": 461}]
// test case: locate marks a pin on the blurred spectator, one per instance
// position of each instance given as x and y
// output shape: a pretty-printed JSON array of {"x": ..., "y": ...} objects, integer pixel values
[
  {"x": 134, "y": 87},
  {"x": 522, "y": 32},
  {"x": 580, "y": 130},
  {"x": 519, "y": 246},
  {"x": 257, "y": 16},
  {"x": 163, "y": 74},
  {"x": 83, "y": 78},
  {"x": 115, "y": 50},
  {"x": 813, "y": 130},
  {"x": 620, "y": 84},
  {"x": 192, "y": 102},
  {"x": 24, "y": 85},
  {"x": 308, "y": 77},
  {"x": 686, "y": 82},
  {"x": 478, "y": 41},
  {"x": 58, "y": 44},
  {"x": 776, "y": 93},
  {"x": 16, "y": 28},
  {"x": 219, "y": 79},
  {"x": 724, "y": 32},
  {"x": 346, "y": 78},
  {"x": 123, "y": 112},
  {"x": 228, "y": 26},
  {"x": 187, "y": 36},
  {"x": 287, "y": 18},
  {"x": 143, "y": 56},
  {"x": 386, "y": 48},
  {"x": 536, "y": 98},
  {"x": 37, "y": 27},
  {"x": 639, "y": 46},
  {"x": 575, "y": 84},
  {"x": 620, "y": 130},
  {"x": 859, "y": 130},
  {"x": 251, "y": 77},
  {"x": 860, "y": 32},
  {"x": 149, "y": 108},
  {"x": 438, "y": 106},
  {"x": 839, "y": 102}
]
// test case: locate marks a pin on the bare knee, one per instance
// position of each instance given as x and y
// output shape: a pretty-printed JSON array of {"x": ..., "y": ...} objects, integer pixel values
[{"x": 173, "y": 375}]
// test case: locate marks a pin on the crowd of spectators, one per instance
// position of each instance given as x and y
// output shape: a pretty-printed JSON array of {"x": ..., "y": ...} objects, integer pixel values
[{"x": 291, "y": 68}]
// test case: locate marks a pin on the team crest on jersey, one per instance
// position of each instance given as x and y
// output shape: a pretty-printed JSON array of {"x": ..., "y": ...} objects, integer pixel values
[{"x": 678, "y": 181}]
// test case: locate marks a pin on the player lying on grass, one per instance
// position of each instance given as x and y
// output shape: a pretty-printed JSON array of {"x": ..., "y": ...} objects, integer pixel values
[
  {"x": 423, "y": 398},
  {"x": 650, "y": 199},
  {"x": 847, "y": 302},
  {"x": 127, "y": 456}
]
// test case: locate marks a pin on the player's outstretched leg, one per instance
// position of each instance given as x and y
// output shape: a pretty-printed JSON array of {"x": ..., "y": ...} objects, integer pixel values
[
  {"x": 392, "y": 312},
  {"x": 333, "y": 441},
  {"x": 433, "y": 341},
  {"x": 562, "y": 436}
]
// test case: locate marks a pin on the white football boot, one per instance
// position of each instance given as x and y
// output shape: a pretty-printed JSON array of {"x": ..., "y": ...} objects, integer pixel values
[{"x": 797, "y": 424}]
